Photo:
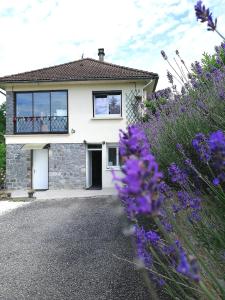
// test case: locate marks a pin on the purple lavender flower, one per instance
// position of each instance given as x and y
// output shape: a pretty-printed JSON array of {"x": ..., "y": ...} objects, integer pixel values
[
  {"x": 134, "y": 141},
  {"x": 195, "y": 203},
  {"x": 216, "y": 181},
  {"x": 188, "y": 268},
  {"x": 167, "y": 226},
  {"x": 190, "y": 203},
  {"x": 170, "y": 77},
  {"x": 204, "y": 15},
  {"x": 177, "y": 175},
  {"x": 217, "y": 49},
  {"x": 184, "y": 199},
  {"x": 140, "y": 188},
  {"x": 217, "y": 141},
  {"x": 208, "y": 76},
  {"x": 216, "y": 144},
  {"x": 152, "y": 237},
  {"x": 222, "y": 94},
  {"x": 142, "y": 253},
  {"x": 194, "y": 82},
  {"x": 194, "y": 216},
  {"x": 201, "y": 146},
  {"x": 164, "y": 54},
  {"x": 197, "y": 68},
  {"x": 218, "y": 76},
  {"x": 188, "y": 162}
]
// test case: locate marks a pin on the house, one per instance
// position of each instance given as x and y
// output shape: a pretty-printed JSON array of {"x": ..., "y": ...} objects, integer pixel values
[{"x": 63, "y": 123}]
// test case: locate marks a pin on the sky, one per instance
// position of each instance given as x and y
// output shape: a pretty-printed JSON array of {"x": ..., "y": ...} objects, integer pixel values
[{"x": 42, "y": 33}]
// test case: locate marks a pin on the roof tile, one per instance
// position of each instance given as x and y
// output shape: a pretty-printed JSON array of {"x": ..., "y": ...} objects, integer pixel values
[{"x": 80, "y": 70}]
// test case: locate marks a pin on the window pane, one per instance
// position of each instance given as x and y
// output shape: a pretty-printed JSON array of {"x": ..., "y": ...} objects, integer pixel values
[
  {"x": 41, "y": 104},
  {"x": 111, "y": 156},
  {"x": 59, "y": 120},
  {"x": 101, "y": 105},
  {"x": 59, "y": 104},
  {"x": 41, "y": 112},
  {"x": 114, "y": 104},
  {"x": 24, "y": 112},
  {"x": 24, "y": 105}
]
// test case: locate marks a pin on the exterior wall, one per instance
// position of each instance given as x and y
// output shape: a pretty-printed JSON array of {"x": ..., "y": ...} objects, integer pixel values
[
  {"x": 67, "y": 161},
  {"x": 67, "y": 166},
  {"x": 80, "y": 107},
  {"x": 18, "y": 167},
  {"x": 9, "y": 112}
]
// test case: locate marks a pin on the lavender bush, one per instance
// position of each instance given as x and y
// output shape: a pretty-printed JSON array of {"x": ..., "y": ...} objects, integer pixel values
[
  {"x": 173, "y": 183},
  {"x": 163, "y": 215}
]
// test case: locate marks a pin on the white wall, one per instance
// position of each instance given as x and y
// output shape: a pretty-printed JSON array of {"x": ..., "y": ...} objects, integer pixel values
[{"x": 80, "y": 106}]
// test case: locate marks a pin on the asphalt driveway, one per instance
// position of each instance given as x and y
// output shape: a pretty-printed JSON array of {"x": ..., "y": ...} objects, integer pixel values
[{"x": 63, "y": 249}]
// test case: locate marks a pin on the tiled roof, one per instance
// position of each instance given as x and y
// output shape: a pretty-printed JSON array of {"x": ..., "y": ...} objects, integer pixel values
[{"x": 80, "y": 70}]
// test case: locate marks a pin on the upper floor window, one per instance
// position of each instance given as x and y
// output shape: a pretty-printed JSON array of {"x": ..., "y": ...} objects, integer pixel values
[
  {"x": 107, "y": 104},
  {"x": 41, "y": 112}
]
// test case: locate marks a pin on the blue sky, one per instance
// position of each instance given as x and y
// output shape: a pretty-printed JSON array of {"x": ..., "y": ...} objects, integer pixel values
[{"x": 41, "y": 33}]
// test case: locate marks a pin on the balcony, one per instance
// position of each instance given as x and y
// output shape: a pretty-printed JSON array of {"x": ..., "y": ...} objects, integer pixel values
[{"x": 34, "y": 125}]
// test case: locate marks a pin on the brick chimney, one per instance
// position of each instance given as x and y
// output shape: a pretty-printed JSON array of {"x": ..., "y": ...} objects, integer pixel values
[{"x": 101, "y": 54}]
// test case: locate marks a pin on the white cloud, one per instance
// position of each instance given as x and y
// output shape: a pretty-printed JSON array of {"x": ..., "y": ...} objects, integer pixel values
[{"x": 41, "y": 33}]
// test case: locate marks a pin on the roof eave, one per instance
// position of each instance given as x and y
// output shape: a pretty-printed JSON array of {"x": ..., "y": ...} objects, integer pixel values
[{"x": 153, "y": 76}]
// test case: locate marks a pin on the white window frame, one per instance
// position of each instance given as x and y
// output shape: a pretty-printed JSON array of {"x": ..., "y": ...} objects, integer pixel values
[
  {"x": 108, "y": 115},
  {"x": 117, "y": 167}
]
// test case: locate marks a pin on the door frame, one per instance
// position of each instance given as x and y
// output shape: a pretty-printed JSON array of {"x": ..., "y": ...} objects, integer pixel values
[
  {"x": 32, "y": 164},
  {"x": 88, "y": 169}
]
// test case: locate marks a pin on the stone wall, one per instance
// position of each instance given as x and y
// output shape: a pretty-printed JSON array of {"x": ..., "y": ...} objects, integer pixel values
[
  {"x": 9, "y": 112},
  {"x": 67, "y": 166},
  {"x": 18, "y": 167}
]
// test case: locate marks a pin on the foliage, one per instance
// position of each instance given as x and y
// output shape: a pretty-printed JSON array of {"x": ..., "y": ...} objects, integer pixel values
[
  {"x": 199, "y": 108},
  {"x": 2, "y": 156},
  {"x": 2, "y": 121},
  {"x": 212, "y": 62},
  {"x": 173, "y": 183},
  {"x": 178, "y": 223}
]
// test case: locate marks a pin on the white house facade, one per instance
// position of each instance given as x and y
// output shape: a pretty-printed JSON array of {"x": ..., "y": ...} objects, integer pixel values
[{"x": 63, "y": 123}]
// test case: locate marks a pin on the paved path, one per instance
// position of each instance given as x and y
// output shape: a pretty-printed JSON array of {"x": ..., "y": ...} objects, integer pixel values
[{"x": 63, "y": 249}]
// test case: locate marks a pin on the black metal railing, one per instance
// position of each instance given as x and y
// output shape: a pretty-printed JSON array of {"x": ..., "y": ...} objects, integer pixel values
[{"x": 52, "y": 124}]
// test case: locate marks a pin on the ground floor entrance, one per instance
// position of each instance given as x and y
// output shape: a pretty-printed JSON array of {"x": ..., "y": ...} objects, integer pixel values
[
  {"x": 40, "y": 169},
  {"x": 94, "y": 167}
]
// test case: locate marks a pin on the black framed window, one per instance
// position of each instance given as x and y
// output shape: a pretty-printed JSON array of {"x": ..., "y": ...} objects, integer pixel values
[
  {"x": 41, "y": 112},
  {"x": 107, "y": 104}
]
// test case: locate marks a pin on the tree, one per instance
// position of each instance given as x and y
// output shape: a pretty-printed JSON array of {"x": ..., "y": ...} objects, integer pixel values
[{"x": 2, "y": 121}]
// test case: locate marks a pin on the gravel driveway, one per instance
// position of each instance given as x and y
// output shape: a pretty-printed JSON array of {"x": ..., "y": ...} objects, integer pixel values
[{"x": 63, "y": 249}]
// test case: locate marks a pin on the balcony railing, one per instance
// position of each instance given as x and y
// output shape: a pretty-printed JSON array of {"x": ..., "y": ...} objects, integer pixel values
[{"x": 53, "y": 124}]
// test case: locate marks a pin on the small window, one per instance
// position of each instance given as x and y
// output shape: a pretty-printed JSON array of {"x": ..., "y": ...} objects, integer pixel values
[
  {"x": 113, "y": 159},
  {"x": 94, "y": 146},
  {"x": 107, "y": 104}
]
